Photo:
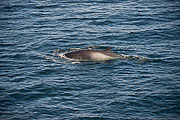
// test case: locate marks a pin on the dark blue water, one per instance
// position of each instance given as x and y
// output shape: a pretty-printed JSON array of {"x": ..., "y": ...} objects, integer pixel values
[{"x": 34, "y": 84}]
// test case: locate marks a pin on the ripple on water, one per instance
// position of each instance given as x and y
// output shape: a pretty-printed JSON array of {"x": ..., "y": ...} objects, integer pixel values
[{"x": 36, "y": 84}]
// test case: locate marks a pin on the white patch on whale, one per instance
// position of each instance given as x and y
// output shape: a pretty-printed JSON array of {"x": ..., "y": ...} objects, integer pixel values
[{"x": 100, "y": 57}]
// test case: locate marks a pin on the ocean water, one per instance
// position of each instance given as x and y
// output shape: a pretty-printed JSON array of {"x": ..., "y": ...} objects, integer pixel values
[{"x": 35, "y": 84}]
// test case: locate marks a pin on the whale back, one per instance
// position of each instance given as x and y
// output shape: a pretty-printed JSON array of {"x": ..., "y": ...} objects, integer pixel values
[
  {"x": 97, "y": 55},
  {"x": 81, "y": 54},
  {"x": 91, "y": 55}
]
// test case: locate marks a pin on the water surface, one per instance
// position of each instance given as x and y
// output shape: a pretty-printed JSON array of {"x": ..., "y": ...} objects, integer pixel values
[{"x": 34, "y": 84}]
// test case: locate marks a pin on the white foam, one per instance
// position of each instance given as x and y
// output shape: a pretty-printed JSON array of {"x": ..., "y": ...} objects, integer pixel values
[{"x": 63, "y": 56}]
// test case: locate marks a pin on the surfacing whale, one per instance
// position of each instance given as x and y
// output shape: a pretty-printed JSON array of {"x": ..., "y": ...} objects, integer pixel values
[{"x": 96, "y": 55}]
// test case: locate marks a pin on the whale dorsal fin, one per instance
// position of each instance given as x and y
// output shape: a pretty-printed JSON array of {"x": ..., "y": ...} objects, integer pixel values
[{"x": 108, "y": 49}]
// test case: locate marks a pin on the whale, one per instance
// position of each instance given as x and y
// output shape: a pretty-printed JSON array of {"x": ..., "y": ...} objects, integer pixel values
[
  {"x": 96, "y": 55},
  {"x": 91, "y": 55}
]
